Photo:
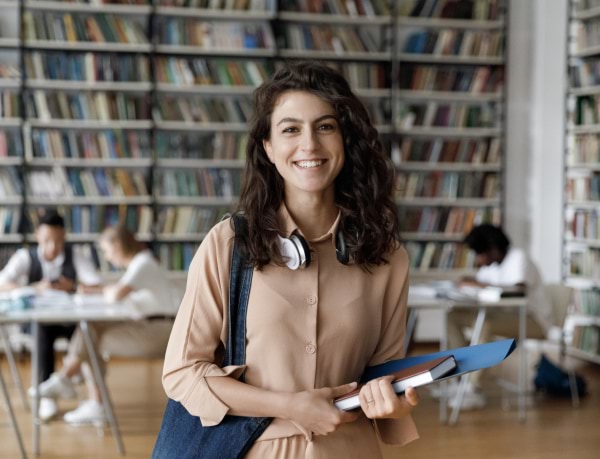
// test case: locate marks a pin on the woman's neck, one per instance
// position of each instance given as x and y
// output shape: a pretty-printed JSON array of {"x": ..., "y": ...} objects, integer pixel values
[{"x": 313, "y": 216}]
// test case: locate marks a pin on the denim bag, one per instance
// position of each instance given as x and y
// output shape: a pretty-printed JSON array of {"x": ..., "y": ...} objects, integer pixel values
[{"x": 182, "y": 435}]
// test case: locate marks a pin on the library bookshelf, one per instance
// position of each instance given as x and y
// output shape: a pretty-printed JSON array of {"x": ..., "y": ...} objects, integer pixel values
[
  {"x": 581, "y": 240},
  {"x": 137, "y": 111}
]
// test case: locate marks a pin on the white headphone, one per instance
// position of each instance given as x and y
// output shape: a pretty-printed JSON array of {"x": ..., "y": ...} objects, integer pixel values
[{"x": 296, "y": 251}]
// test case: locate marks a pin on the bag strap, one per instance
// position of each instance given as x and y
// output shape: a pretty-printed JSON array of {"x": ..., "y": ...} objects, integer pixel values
[{"x": 240, "y": 281}]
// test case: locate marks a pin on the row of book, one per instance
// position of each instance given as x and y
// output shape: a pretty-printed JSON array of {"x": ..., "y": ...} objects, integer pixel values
[
  {"x": 455, "y": 42},
  {"x": 437, "y": 114},
  {"x": 339, "y": 39},
  {"x": 585, "y": 151},
  {"x": 88, "y": 67},
  {"x": 93, "y": 219},
  {"x": 176, "y": 256},
  {"x": 450, "y": 185},
  {"x": 587, "y": 33},
  {"x": 584, "y": 263},
  {"x": 215, "y": 35},
  {"x": 473, "y": 80},
  {"x": 587, "y": 339},
  {"x": 96, "y": 105},
  {"x": 585, "y": 72},
  {"x": 367, "y": 8},
  {"x": 201, "y": 145},
  {"x": 189, "y": 220},
  {"x": 227, "y": 5},
  {"x": 450, "y": 221},
  {"x": 439, "y": 255},
  {"x": 583, "y": 188},
  {"x": 583, "y": 224},
  {"x": 198, "y": 71},
  {"x": 9, "y": 104},
  {"x": 204, "y": 110},
  {"x": 98, "y": 28},
  {"x": 10, "y": 182},
  {"x": 105, "y": 144},
  {"x": 9, "y": 71},
  {"x": 206, "y": 182},
  {"x": 587, "y": 110},
  {"x": 588, "y": 301},
  {"x": 451, "y": 9},
  {"x": 10, "y": 219},
  {"x": 61, "y": 182},
  {"x": 447, "y": 151},
  {"x": 10, "y": 144}
]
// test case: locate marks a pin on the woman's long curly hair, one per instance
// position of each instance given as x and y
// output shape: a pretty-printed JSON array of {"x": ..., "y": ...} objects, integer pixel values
[{"x": 363, "y": 189}]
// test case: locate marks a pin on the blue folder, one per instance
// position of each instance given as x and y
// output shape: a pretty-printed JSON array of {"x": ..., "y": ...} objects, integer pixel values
[{"x": 470, "y": 358}]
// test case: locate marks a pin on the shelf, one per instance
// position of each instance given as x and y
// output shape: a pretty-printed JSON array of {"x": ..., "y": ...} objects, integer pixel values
[
  {"x": 85, "y": 162},
  {"x": 11, "y": 200},
  {"x": 587, "y": 52},
  {"x": 212, "y": 90},
  {"x": 194, "y": 201},
  {"x": 332, "y": 55},
  {"x": 373, "y": 93},
  {"x": 90, "y": 124},
  {"x": 446, "y": 96},
  {"x": 443, "y": 23},
  {"x": 581, "y": 282},
  {"x": 71, "y": 7},
  {"x": 343, "y": 19},
  {"x": 584, "y": 319},
  {"x": 584, "y": 129},
  {"x": 574, "y": 352},
  {"x": 90, "y": 201},
  {"x": 70, "y": 85},
  {"x": 89, "y": 237},
  {"x": 468, "y": 167},
  {"x": 585, "y": 91},
  {"x": 10, "y": 161},
  {"x": 107, "y": 47},
  {"x": 10, "y": 83},
  {"x": 448, "y": 202},
  {"x": 582, "y": 167},
  {"x": 9, "y": 42},
  {"x": 595, "y": 243},
  {"x": 437, "y": 59},
  {"x": 11, "y": 238},
  {"x": 10, "y": 122},
  {"x": 219, "y": 52},
  {"x": 240, "y": 15},
  {"x": 201, "y": 163},
  {"x": 199, "y": 126},
  {"x": 583, "y": 204},
  {"x": 421, "y": 131},
  {"x": 422, "y": 236},
  {"x": 197, "y": 237},
  {"x": 590, "y": 13}
]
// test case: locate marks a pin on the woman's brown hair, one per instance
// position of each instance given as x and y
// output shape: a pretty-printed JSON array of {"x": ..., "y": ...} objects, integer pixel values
[
  {"x": 119, "y": 234},
  {"x": 363, "y": 189}
]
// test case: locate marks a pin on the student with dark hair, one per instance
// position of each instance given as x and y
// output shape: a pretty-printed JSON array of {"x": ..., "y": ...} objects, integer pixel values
[
  {"x": 329, "y": 284},
  {"x": 52, "y": 264},
  {"x": 145, "y": 284},
  {"x": 500, "y": 265}
]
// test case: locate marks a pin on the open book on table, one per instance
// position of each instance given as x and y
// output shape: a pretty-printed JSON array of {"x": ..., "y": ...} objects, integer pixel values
[{"x": 466, "y": 359}]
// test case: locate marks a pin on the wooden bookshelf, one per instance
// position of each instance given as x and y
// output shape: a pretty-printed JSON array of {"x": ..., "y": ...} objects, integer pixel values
[{"x": 581, "y": 243}]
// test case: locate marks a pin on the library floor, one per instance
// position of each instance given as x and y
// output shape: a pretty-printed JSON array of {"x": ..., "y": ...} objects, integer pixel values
[{"x": 552, "y": 430}]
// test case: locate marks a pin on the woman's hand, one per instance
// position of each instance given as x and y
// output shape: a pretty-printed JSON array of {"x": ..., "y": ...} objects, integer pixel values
[
  {"x": 379, "y": 401},
  {"x": 314, "y": 411}
]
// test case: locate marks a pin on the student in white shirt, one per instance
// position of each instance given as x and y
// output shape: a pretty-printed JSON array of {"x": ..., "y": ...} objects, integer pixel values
[
  {"x": 500, "y": 265},
  {"x": 51, "y": 265},
  {"x": 145, "y": 284}
]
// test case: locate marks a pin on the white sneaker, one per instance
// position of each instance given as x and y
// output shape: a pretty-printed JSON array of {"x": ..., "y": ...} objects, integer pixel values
[
  {"x": 57, "y": 386},
  {"x": 88, "y": 412},
  {"x": 473, "y": 399},
  {"x": 47, "y": 408}
]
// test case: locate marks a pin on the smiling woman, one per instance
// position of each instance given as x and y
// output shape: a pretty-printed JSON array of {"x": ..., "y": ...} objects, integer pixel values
[{"x": 317, "y": 199}]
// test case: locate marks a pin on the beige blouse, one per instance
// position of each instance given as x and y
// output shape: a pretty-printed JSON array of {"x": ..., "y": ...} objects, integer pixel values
[{"x": 306, "y": 329}]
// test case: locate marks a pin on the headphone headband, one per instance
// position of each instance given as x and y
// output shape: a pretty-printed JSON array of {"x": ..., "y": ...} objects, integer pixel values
[{"x": 296, "y": 251}]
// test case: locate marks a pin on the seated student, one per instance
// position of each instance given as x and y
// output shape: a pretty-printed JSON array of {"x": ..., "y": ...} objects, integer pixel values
[
  {"x": 145, "y": 284},
  {"x": 51, "y": 265},
  {"x": 499, "y": 265}
]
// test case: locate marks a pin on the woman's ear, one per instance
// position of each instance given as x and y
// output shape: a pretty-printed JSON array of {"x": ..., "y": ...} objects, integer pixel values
[{"x": 268, "y": 150}]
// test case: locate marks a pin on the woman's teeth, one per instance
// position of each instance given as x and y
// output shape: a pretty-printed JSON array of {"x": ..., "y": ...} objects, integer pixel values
[{"x": 309, "y": 164}]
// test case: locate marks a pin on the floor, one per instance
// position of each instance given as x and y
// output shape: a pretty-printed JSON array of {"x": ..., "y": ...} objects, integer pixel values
[{"x": 553, "y": 429}]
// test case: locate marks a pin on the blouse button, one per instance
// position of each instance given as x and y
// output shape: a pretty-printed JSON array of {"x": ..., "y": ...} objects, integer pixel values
[
  {"x": 311, "y": 348},
  {"x": 311, "y": 299}
]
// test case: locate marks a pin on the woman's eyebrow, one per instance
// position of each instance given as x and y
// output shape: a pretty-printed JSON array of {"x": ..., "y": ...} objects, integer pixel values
[{"x": 296, "y": 120}]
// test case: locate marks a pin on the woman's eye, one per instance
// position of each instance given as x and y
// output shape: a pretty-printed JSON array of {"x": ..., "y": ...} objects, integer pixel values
[
  {"x": 326, "y": 127},
  {"x": 290, "y": 130}
]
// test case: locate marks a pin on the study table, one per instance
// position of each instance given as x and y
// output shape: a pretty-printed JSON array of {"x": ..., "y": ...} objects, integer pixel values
[
  {"x": 80, "y": 309},
  {"x": 518, "y": 305}
]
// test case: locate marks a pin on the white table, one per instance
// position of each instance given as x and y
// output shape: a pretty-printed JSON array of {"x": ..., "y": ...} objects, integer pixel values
[
  {"x": 80, "y": 309},
  {"x": 519, "y": 305}
]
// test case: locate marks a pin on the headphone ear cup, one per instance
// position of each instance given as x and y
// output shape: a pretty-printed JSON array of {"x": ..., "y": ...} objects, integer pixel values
[
  {"x": 289, "y": 252},
  {"x": 303, "y": 249},
  {"x": 341, "y": 252}
]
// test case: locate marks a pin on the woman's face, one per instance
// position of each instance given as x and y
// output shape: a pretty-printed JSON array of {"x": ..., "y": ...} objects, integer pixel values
[
  {"x": 306, "y": 143},
  {"x": 112, "y": 253}
]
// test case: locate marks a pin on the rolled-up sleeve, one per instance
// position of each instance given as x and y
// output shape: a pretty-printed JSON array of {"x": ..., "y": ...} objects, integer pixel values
[
  {"x": 395, "y": 431},
  {"x": 199, "y": 330}
]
